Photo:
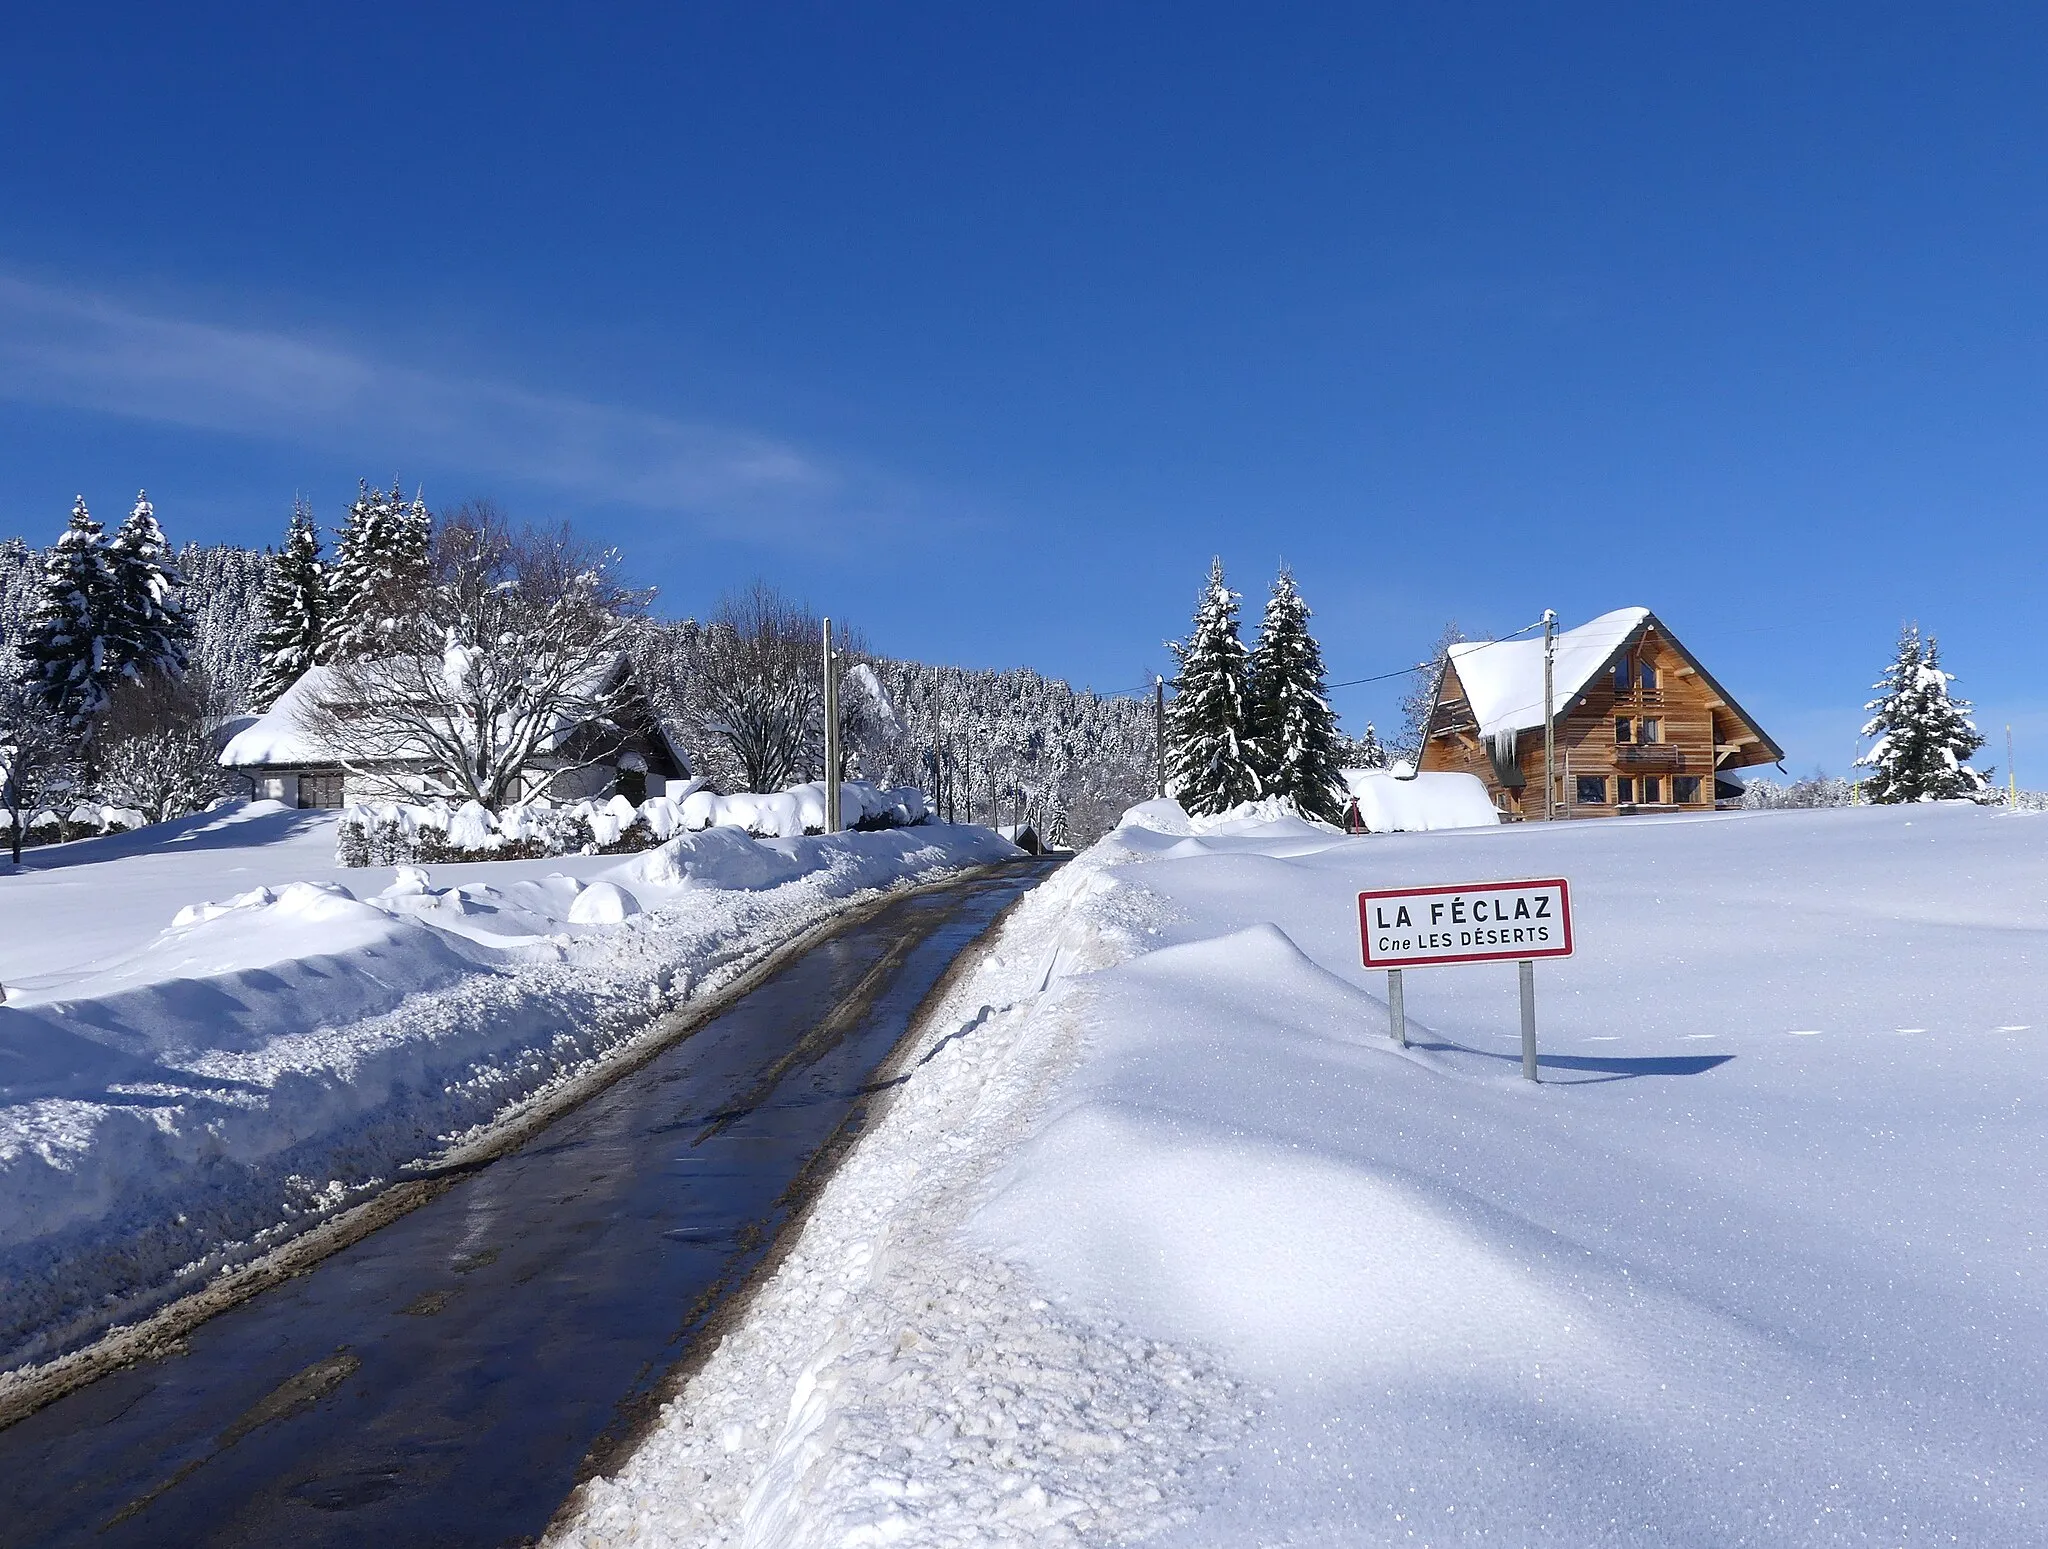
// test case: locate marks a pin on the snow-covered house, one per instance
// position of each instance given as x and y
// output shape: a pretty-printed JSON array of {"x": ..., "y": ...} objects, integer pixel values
[
  {"x": 1640, "y": 725},
  {"x": 284, "y": 756}
]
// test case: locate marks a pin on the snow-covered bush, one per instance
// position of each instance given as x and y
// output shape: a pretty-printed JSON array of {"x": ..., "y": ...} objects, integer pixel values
[{"x": 401, "y": 833}]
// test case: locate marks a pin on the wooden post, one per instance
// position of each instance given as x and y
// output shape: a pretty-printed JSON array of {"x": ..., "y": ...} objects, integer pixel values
[
  {"x": 1158, "y": 735},
  {"x": 1549, "y": 714},
  {"x": 831, "y": 737}
]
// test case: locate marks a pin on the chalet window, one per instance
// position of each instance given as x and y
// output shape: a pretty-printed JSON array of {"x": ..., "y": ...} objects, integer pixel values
[
  {"x": 1685, "y": 789},
  {"x": 1621, "y": 729},
  {"x": 1650, "y": 789},
  {"x": 1593, "y": 789},
  {"x": 1649, "y": 679},
  {"x": 1621, "y": 676},
  {"x": 1624, "y": 790},
  {"x": 1648, "y": 731}
]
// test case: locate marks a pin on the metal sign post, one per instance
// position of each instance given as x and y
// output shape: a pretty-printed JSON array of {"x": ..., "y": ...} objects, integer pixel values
[
  {"x": 1475, "y": 922},
  {"x": 1527, "y": 972}
]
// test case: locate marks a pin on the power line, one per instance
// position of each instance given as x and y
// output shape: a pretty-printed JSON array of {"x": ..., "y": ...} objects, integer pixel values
[{"x": 1424, "y": 666}]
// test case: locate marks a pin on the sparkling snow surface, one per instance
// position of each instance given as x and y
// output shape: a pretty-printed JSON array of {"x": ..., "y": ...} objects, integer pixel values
[
  {"x": 1166, "y": 1241},
  {"x": 1503, "y": 679},
  {"x": 211, "y": 1030}
]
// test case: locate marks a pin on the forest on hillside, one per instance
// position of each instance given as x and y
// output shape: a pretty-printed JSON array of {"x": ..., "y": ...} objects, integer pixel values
[{"x": 993, "y": 746}]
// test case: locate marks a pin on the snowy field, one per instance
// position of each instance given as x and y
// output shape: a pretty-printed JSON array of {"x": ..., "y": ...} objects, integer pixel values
[
  {"x": 213, "y": 1034},
  {"x": 1165, "y": 1241}
]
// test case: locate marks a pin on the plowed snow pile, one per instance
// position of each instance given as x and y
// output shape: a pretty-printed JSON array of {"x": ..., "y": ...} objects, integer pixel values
[
  {"x": 1164, "y": 1241},
  {"x": 213, "y": 1035}
]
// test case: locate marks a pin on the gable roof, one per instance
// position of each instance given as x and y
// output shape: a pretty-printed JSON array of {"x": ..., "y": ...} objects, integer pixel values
[{"x": 1503, "y": 679}]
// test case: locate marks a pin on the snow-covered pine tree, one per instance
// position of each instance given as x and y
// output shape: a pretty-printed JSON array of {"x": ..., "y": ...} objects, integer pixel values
[
  {"x": 379, "y": 571},
  {"x": 147, "y": 630},
  {"x": 294, "y": 611},
  {"x": 1365, "y": 752},
  {"x": 65, "y": 648},
  {"x": 1292, "y": 734},
  {"x": 1208, "y": 765},
  {"x": 1924, "y": 735}
]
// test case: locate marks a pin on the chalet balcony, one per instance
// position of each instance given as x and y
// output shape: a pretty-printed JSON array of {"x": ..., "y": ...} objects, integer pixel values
[{"x": 1653, "y": 756}]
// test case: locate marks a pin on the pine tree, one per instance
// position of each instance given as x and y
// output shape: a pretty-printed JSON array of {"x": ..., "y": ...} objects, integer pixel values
[
  {"x": 66, "y": 649},
  {"x": 1208, "y": 765},
  {"x": 147, "y": 629},
  {"x": 294, "y": 611},
  {"x": 380, "y": 567},
  {"x": 1365, "y": 752},
  {"x": 1293, "y": 735},
  {"x": 1923, "y": 734}
]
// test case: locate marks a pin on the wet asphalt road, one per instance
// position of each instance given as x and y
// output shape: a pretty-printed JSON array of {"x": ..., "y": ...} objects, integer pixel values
[{"x": 449, "y": 1379}]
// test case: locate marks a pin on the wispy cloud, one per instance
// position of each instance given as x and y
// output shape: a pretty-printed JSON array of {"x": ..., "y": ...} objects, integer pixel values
[{"x": 88, "y": 352}]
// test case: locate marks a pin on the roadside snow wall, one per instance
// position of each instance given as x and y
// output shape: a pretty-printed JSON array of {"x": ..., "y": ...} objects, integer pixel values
[{"x": 273, "y": 1057}]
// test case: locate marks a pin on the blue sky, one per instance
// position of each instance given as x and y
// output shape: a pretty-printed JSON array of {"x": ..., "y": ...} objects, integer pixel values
[{"x": 986, "y": 327}]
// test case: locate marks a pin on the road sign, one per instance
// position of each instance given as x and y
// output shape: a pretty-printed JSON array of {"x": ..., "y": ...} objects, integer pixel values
[{"x": 1477, "y": 922}]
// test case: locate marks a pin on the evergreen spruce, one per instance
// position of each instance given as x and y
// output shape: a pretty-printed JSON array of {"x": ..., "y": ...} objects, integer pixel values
[
  {"x": 1208, "y": 764},
  {"x": 294, "y": 611},
  {"x": 1293, "y": 735},
  {"x": 66, "y": 650},
  {"x": 1923, "y": 734},
  {"x": 1365, "y": 752},
  {"x": 380, "y": 567},
  {"x": 147, "y": 630}
]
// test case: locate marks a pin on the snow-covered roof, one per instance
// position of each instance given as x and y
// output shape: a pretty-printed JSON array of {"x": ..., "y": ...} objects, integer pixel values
[
  {"x": 1418, "y": 803},
  {"x": 283, "y": 735},
  {"x": 1503, "y": 679}
]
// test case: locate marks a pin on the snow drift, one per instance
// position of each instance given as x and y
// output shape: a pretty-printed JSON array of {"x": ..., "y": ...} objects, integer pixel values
[{"x": 1164, "y": 1239}]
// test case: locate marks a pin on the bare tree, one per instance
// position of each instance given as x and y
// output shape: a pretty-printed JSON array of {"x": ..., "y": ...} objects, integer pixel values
[
  {"x": 156, "y": 747},
  {"x": 747, "y": 691},
  {"x": 1419, "y": 702},
  {"x": 39, "y": 756},
  {"x": 514, "y": 643}
]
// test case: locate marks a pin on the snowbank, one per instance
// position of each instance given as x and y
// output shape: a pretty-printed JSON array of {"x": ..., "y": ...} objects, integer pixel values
[
  {"x": 1420, "y": 803},
  {"x": 1162, "y": 1237},
  {"x": 180, "y": 1083}
]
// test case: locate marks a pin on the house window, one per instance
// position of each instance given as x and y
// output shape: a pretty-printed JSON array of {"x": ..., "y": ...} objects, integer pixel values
[
  {"x": 1648, "y": 731},
  {"x": 1621, "y": 676},
  {"x": 1685, "y": 789},
  {"x": 320, "y": 790},
  {"x": 1593, "y": 789},
  {"x": 1651, "y": 789},
  {"x": 1624, "y": 790},
  {"x": 1621, "y": 729},
  {"x": 1649, "y": 679}
]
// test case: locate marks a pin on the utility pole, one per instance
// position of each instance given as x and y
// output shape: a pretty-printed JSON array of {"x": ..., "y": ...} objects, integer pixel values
[
  {"x": 1158, "y": 735},
  {"x": 831, "y": 736},
  {"x": 1549, "y": 711},
  {"x": 2012, "y": 775}
]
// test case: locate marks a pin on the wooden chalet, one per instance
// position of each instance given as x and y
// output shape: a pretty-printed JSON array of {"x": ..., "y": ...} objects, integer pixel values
[{"x": 1641, "y": 726}]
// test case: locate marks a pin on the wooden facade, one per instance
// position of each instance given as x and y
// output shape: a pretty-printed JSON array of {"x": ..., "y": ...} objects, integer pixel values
[{"x": 1648, "y": 731}]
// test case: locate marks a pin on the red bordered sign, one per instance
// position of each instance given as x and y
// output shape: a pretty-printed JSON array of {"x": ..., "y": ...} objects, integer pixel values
[{"x": 1475, "y": 922}]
